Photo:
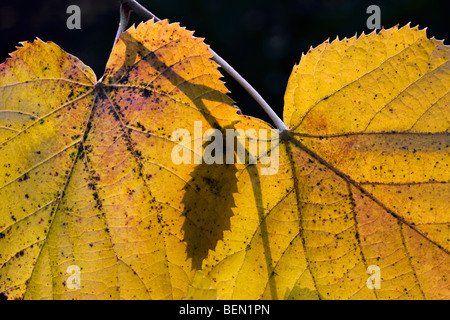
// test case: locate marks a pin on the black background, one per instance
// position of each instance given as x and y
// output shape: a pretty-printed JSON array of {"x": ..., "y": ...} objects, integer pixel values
[{"x": 261, "y": 39}]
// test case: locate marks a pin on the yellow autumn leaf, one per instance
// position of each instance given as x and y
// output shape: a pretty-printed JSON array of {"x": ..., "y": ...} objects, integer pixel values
[
  {"x": 87, "y": 182},
  {"x": 362, "y": 185}
]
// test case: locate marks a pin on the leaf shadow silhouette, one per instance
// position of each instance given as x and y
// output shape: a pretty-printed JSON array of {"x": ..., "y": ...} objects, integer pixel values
[{"x": 205, "y": 217}]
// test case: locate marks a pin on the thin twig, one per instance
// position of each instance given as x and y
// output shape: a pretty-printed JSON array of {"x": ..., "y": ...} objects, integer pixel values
[
  {"x": 140, "y": 10},
  {"x": 124, "y": 19},
  {"x": 248, "y": 87},
  {"x": 145, "y": 14}
]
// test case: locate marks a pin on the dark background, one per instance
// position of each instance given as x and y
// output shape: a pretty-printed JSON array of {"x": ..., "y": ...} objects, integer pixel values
[{"x": 261, "y": 39}]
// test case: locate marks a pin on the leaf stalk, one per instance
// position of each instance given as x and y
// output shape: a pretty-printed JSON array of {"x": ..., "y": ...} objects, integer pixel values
[{"x": 124, "y": 19}]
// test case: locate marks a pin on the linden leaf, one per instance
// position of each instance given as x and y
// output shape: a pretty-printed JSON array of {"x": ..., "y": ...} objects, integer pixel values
[
  {"x": 87, "y": 181},
  {"x": 363, "y": 180}
]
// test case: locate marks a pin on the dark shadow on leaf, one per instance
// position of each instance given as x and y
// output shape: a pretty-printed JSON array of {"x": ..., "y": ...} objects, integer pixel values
[
  {"x": 256, "y": 185},
  {"x": 208, "y": 203}
]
